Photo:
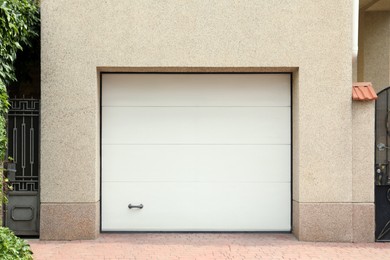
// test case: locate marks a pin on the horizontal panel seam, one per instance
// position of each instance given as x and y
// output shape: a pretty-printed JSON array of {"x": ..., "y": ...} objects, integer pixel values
[
  {"x": 139, "y": 181},
  {"x": 123, "y": 106},
  {"x": 172, "y": 144}
]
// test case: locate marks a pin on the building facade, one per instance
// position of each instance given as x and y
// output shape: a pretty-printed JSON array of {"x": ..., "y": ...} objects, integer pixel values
[{"x": 154, "y": 79}]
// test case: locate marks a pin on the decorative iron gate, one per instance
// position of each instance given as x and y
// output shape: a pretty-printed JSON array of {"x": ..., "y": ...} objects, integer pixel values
[
  {"x": 382, "y": 171},
  {"x": 22, "y": 210}
]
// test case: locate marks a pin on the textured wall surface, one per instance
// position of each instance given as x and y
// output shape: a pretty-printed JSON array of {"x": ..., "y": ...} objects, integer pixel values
[
  {"x": 311, "y": 38},
  {"x": 363, "y": 151},
  {"x": 376, "y": 49}
]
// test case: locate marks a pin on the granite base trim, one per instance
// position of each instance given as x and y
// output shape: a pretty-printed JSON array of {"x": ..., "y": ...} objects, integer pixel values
[
  {"x": 363, "y": 222},
  {"x": 295, "y": 218},
  {"x": 334, "y": 222},
  {"x": 324, "y": 222},
  {"x": 69, "y": 221}
]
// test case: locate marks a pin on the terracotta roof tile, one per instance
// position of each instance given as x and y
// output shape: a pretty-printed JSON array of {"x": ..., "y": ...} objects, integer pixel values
[{"x": 363, "y": 91}]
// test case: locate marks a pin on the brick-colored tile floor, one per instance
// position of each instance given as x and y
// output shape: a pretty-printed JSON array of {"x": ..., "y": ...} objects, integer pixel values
[{"x": 204, "y": 246}]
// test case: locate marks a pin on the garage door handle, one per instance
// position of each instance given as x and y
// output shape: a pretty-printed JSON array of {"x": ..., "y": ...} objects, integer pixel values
[{"x": 140, "y": 206}]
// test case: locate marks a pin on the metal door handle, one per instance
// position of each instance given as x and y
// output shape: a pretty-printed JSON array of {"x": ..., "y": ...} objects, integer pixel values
[
  {"x": 140, "y": 206},
  {"x": 382, "y": 147}
]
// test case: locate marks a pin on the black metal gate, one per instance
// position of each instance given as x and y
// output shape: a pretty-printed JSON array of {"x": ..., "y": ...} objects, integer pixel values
[
  {"x": 382, "y": 169},
  {"x": 22, "y": 210}
]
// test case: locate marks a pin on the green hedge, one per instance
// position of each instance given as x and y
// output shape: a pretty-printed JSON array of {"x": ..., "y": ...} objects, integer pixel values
[
  {"x": 13, "y": 247},
  {"x": 19, "y": 20}
]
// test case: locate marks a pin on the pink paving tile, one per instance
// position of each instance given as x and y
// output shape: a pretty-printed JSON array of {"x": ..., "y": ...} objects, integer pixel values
[{"x": 204, "y": 246}]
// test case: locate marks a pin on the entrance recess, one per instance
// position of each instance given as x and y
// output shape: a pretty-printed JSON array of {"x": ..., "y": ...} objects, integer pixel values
[
  {"x": 22, "y": 210},
  {"x": 382, "y": 169}
]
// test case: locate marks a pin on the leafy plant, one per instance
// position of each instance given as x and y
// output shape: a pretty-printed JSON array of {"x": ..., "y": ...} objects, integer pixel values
[
  {"x": 18, "y": 24},
  {"x": 5, "y": 186},
  {"x": 13, "y": 247},
  {"x": 18, "y": 21}
]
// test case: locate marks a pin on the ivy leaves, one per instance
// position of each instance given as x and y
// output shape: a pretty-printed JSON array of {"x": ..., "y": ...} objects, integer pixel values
[
  {"x": 18, "y": 24},
  {"x": 4, "y": 105},
  {"x": 12, "y": 247},
  {"x": 18, "y": 20}
]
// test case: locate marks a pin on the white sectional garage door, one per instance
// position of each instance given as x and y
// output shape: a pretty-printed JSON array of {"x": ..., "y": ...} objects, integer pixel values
[{"x": 200, "y": 152}]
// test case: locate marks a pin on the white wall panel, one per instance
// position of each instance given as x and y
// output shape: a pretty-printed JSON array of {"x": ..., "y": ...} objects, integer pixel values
[
  {"x": 196, "y": 125},
  {"x": 196, "y": 206},
  {"x": 197, "y": 163},
  {"x": 196, "y": 90}
]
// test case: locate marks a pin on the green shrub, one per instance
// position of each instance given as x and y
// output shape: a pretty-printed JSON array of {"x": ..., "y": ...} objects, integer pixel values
[
  {"x": 19, "y": 21},
  {"x": 13, "y": 247}
]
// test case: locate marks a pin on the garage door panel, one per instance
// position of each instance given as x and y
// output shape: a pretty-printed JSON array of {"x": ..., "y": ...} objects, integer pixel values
[
  {"x": 196, "y": 90},
  {"x": 196, "y": 207},
  {"x": 201, "y": 152},
  {"x": 196, "y": 125},
  {"x": 217, "y": 163}
]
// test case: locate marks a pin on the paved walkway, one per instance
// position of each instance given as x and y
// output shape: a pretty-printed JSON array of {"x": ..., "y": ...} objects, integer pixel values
[{"x": 205, "y": 246}]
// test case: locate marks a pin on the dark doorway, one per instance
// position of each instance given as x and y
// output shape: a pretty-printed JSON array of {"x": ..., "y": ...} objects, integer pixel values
[
  {"x": 21, "y": 214},
  {"x": 382, "y": 172}
]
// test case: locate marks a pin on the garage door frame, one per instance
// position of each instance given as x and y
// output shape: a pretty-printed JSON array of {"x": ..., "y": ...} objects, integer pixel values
[{"x": 100, "y": 150}]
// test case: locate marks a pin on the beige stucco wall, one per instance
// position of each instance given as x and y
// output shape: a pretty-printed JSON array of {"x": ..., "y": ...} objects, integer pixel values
[
  {"x": 311, "y": 38},
  {"x": 363, "y": 160},
  {"x": 375, "y": 49}
]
